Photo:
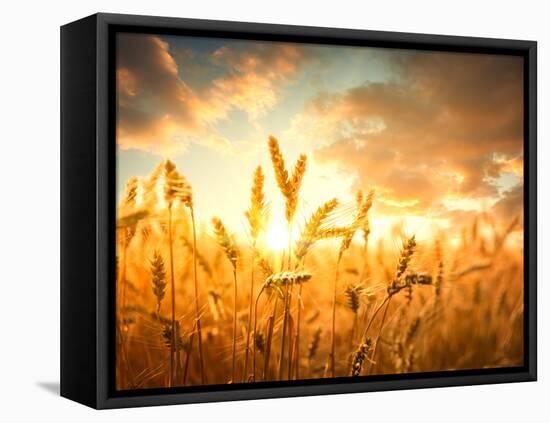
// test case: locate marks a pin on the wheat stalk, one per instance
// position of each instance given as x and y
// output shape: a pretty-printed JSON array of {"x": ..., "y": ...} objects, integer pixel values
[
  {"x": 176, "y": 188},
  {"x": 295, "y": 184},
  {"x": 365, "y": 228},
  {"x": 131, "y": 192},
  {"x": 353, "y": 294},
  {"x": 407, "y": 282},
  {"x": 400, "y": 282},
  {"x": 128, "y": 224},
  {"x": 289, "y": 187},
  {"x": 335, "y": 232},
  {"x": 360, "y": 218},
  {"x": 313, "y": 229},
  {"x": 256, "y": 213},
  {"x": 227, "y": 243},
  {"x": 275, "y": 282},
  {"x": 278, "y": 281},
  {"x": 361, "y": 214},
  {"x": 267, "y": 270},
  {"x": 278, "y": 162},
  {"x": 282, "y": 279},
  {"x": 406, "y": 255},
  {"x": 256, "y": 220},
  {"x": 270, "y": 324},
  {"x": 158, "y": 278}
]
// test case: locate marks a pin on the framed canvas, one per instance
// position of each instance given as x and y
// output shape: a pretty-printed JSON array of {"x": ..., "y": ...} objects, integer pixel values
[{"x": 258, "y": 211}]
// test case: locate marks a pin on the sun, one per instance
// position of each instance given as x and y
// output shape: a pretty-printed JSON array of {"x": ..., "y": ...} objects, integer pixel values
[{"x": 276, "y": 236}]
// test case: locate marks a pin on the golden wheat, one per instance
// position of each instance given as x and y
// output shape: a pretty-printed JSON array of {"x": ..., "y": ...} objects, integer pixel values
[
  {"x": 289, "y": 186},
  {"x": 158, "y": 278},
  {"x": 256, "y": 216},
  {"x": 471, "y": 315},
  {"x": 313, "y": 229}
]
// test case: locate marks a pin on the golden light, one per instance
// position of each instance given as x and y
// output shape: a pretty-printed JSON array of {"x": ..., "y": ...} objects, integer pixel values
[{"x": 277, "y": 236}]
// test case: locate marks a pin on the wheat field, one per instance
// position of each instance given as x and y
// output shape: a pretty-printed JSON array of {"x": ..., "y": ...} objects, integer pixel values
[{"x": 196, "y": 304}]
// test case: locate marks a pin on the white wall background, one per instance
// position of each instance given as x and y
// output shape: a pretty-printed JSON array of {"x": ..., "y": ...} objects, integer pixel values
[{"x": 29, "y": 208}]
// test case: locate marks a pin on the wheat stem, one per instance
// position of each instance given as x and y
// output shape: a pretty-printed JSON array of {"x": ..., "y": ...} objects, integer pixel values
[
  {"x": 227, "y": 243},
  {"x": 378, "y": 335},
  {"x": 255, "y": 332},
  {"x": 292, "y": 339},
  {"x": 269, "y": 339},
  {"x": 286, "y": 307},
  {"x": 376, "y": 311},
  {"x": 296, "y": 352},
  {"x": 285, "y": 321},
  {"x": 188, "y": 353}
]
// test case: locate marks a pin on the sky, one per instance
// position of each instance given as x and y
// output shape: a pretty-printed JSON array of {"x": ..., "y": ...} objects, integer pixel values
[{"x": 437, "y": 135}]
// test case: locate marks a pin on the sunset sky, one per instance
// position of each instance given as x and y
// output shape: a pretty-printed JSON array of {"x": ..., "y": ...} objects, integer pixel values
[{"x": 439, "y": 136}]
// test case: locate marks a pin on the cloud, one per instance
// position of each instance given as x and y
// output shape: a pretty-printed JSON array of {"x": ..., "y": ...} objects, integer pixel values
[
  {"x": 447, "y": 128},
  {"x": 255, "y": 74},
  {"x": 160, "y": 112},
  {"x": 154, "y": 105},
  {"x": 510, "y": 205}
]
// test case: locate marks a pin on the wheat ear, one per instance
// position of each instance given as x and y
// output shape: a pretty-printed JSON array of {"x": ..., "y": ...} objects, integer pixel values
[
  {"x": 313, "y": 230},
  {"x": 158, "y": 280},
  {"x": 255, "y": 216}
]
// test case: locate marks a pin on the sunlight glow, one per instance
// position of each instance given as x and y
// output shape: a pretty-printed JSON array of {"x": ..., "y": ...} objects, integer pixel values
[{"x": 277, "y": 236}]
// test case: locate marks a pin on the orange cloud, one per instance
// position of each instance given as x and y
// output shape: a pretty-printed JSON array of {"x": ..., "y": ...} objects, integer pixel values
[
  {"x": 450, "y": 124},
  {"x": 155, "y": 107},
  {"x": 159, "y": 112}
]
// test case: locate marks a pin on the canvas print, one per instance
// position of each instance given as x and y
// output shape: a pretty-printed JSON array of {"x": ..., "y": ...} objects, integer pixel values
[{"x": 291, "y": 211}]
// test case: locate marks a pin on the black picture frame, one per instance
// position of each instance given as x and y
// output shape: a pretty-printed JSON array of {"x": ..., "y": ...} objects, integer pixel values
[{"x": 88, "y": 209}]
